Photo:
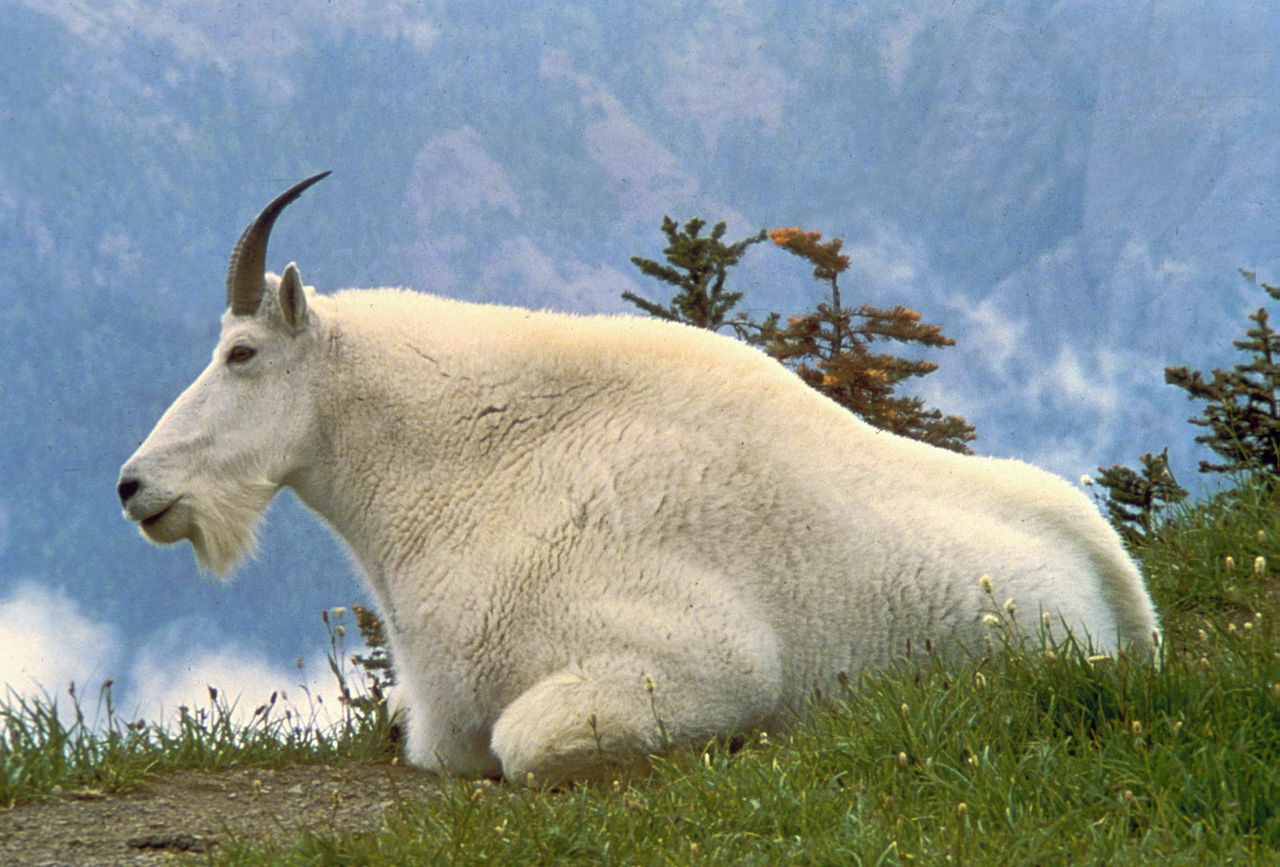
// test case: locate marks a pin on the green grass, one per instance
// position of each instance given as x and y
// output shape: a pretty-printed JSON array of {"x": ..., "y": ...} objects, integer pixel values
[
  {"x": 1202, "y": 563},
  {"x": 1010, "y": 758},
  {"x": 1034, "y": 761}
]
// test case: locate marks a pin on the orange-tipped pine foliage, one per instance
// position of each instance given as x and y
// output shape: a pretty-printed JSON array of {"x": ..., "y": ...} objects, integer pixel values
[{"x": 830, "y": 350}]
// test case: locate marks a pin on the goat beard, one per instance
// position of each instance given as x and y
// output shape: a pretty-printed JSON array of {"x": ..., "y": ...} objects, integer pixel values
[{"x": 224, "y": 525}]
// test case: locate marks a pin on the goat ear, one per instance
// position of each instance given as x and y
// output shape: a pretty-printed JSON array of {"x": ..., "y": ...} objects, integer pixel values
[{"x": 293, "y": 298}]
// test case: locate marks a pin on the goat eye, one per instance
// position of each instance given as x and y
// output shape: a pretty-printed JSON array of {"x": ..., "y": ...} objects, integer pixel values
[{"x": 240, "y": 354}]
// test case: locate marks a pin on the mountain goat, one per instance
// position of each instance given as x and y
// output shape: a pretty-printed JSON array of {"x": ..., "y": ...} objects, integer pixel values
[{"x": 590, "y": 536}]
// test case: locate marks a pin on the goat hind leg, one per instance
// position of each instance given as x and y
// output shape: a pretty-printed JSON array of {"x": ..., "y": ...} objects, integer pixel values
[{"x": 585, "y": 720}]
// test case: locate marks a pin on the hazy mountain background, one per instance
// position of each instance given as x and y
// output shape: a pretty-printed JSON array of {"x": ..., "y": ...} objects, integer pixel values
[{"x": 1067, "y": 188}]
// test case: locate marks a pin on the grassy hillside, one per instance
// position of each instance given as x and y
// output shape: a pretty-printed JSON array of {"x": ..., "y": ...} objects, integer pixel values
[{"x": 1010, "y": 757}]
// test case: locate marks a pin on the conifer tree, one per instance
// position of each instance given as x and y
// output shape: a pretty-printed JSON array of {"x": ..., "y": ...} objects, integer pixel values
[
  {"x": 830, "y": 349},
  {"x": 1242, "y": 411},
  {"x": 1134, "y": 501},
  {"x": 698, "y": 266}
]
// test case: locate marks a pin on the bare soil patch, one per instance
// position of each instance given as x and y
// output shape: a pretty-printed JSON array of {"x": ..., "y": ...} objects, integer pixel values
[{"x": 193, "y": 812}]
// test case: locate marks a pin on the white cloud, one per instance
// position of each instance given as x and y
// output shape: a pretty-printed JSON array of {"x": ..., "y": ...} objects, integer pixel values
[
  {"x": 254, "y": 40},
  {"x": 897, "y": 39},
  {"x": 1068, "y": 380},
  {"x": 433, "y": 254},
  {"x": 1069, "y": 456},
  {"x": 389, "y": 19},
  {"x": 518, "y": 258},
  {"x": 895, "y": 46},
  {"x": 162, "y": 682},
  {"x": 1001, "y": 336},
  {"x": 453, "y": 176},
  {"x": 886, "y": 260},
  {"x": 590, "y": 289},
  {"x": 647, "y": 180},
  {"x": 645, "y": 177},
  {"x": 170, "y": 672},
  {"x": 1089, "y": 381},
  {"x": 50, "y": 642},
  {"x": 720, "y": 74},
  {"x": 520, "y": 268},
  {"x": 453, "y": 173}
]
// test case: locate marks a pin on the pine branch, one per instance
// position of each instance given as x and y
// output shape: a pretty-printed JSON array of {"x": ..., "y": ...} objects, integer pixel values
[
  {"x": 697, "y": 266},
  {"x": 1242, "y": 406},
  {"x": 649, "y": 307},
  {"x": 829, "y": 351}
]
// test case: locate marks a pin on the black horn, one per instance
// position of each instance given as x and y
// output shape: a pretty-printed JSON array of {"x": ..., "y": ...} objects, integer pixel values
[{"x": 248, "y": 264}]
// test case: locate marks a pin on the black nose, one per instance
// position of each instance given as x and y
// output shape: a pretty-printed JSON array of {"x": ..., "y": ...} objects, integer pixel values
[{"x": 126, "y": 489}]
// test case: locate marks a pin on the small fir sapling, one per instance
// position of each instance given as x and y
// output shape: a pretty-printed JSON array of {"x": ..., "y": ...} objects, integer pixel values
[
  {"x": 698, "y": 266},
  {"x": 1135, "y": 501},
  {"x": 1242, "y": 406},
  {"x": 827, "y": 349},
  {"x": 831, "y": 351}
]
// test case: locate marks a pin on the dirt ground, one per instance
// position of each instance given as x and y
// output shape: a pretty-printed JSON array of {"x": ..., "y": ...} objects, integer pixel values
[{"x": 192, "y": 811}]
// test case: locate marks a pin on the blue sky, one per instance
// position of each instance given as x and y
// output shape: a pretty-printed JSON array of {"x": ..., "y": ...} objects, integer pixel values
[{"x": 1068, "y": 189}]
